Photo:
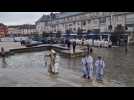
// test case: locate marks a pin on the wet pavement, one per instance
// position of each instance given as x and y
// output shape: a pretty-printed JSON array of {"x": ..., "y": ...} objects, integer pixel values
[
  {"x": 11, "y": 45},
  {"x": 29, "y": 70},
  {"x": 119, "y": 65}
]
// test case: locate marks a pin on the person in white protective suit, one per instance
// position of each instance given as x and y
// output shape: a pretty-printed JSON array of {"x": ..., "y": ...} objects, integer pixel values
[
  {"x": 89, "y": 64},
  {"x": 100, "y": 65},
  {"x": 84, "y": 67}
]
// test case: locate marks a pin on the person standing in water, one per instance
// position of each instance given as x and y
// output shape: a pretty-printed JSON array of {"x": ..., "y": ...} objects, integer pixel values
[
  {"x": 84, "y": 67},
  {"x": 74, "y": 46},
  {"x": 3, "y": 54},
  {"x": 88, "y": 48},
  {"x": 55, "y": 68},
  {"x": 68, "y": 43},
  {"x": 53, "y": 62},
  {"x": 100, "y": 65},
  {"x": 87, "y": 68},
  {"x": 126, "y": 47},
  {"x": 49, "y": 61},
  {"x": 89, "y": 61}
]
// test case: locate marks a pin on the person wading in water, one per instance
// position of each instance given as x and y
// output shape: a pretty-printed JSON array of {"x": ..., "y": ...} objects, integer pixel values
[{"x": 3, "y": 54}]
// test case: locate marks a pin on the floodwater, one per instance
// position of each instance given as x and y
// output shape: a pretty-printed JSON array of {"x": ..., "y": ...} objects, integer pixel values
[{"x": 119, "y": 65}]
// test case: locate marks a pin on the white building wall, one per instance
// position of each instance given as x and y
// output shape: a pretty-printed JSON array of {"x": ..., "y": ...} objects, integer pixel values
[
  {"x": 40, "y": 27},
  {"x": 118, "y": 19},
  {"x": 94, "y": 22}
]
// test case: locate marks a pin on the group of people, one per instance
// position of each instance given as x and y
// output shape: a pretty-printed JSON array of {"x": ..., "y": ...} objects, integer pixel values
[
  {"x": 87, "y": 62},
  {"x": 69, "y": 43},
  {"x": 52, "y": 62},
  {"x": 88, "y": 67}
]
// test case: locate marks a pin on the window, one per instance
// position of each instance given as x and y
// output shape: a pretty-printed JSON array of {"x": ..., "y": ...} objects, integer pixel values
[
  {"x": 84, "y": 23},
  {"x": 102, "y": 20},
  {"x": 75, "y": 18},
  {"x": 89, "y": 21},
  {"x": 63, "y": 25},
  {"x": 78, "y": 23},
  {"x": 95, "y": 21},
  {"x": 68, "y": 19},
  {"x": 70, "y": 24}
]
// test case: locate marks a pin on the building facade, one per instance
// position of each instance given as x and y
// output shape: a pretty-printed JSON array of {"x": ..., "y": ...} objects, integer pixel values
[
  {"x": 3, "y": 30},
  {"x": 25, "y": 29},
  {"x": 85, "y": 21},
  {"x": 14, "y": 30}
]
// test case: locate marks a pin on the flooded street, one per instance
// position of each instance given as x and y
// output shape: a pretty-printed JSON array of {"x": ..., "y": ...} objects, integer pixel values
[{"x": 119, "y": 66}]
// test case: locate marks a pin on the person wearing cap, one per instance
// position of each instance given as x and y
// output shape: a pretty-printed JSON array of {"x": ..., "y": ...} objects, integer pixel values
[{"x": 100, "y": 65}]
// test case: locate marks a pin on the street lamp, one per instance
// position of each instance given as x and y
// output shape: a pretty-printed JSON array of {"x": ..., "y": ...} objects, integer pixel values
[
  {"x": 51, "y": 18},
  {"x": 110, "y": 28}
]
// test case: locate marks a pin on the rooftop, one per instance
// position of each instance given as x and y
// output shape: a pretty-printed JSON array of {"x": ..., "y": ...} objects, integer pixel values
[
  {"x": 44, "y": 18},
  {"x": 25, "y": 26},
  {"x": 67, "y": 14},
  {"x": 58, "y": 15}
]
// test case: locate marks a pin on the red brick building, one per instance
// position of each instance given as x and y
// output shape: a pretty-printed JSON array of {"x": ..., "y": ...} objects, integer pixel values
[{"x": 3, "y": 30}]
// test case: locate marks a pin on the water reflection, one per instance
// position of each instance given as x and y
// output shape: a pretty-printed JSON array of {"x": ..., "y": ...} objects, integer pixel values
[{"x": 119, "y": 66}]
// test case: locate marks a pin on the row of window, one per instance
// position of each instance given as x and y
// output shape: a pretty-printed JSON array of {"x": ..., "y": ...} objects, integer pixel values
[
  {"x": 79, "y": 17},
  {"x": 97, "y": 21},
  {"x": 82, "y": 23},
  {"x": 85, "y": 22}
]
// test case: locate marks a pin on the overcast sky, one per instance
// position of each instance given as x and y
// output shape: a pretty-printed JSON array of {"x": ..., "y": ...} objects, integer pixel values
[{"x": 18, "y": 18}]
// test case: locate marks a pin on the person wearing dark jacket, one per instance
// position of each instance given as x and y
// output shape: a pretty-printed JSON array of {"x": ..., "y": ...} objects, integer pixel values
[
  {"x": 68, "y": 44},
  {"x": 2, "y": 52},
  {"x": 74, "y": 46}
]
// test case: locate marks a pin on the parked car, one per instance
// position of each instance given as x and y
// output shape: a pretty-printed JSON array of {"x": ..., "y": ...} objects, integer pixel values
[
  {"x": 19, "y": 39},
  {"x": 32, "y": 43}
]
